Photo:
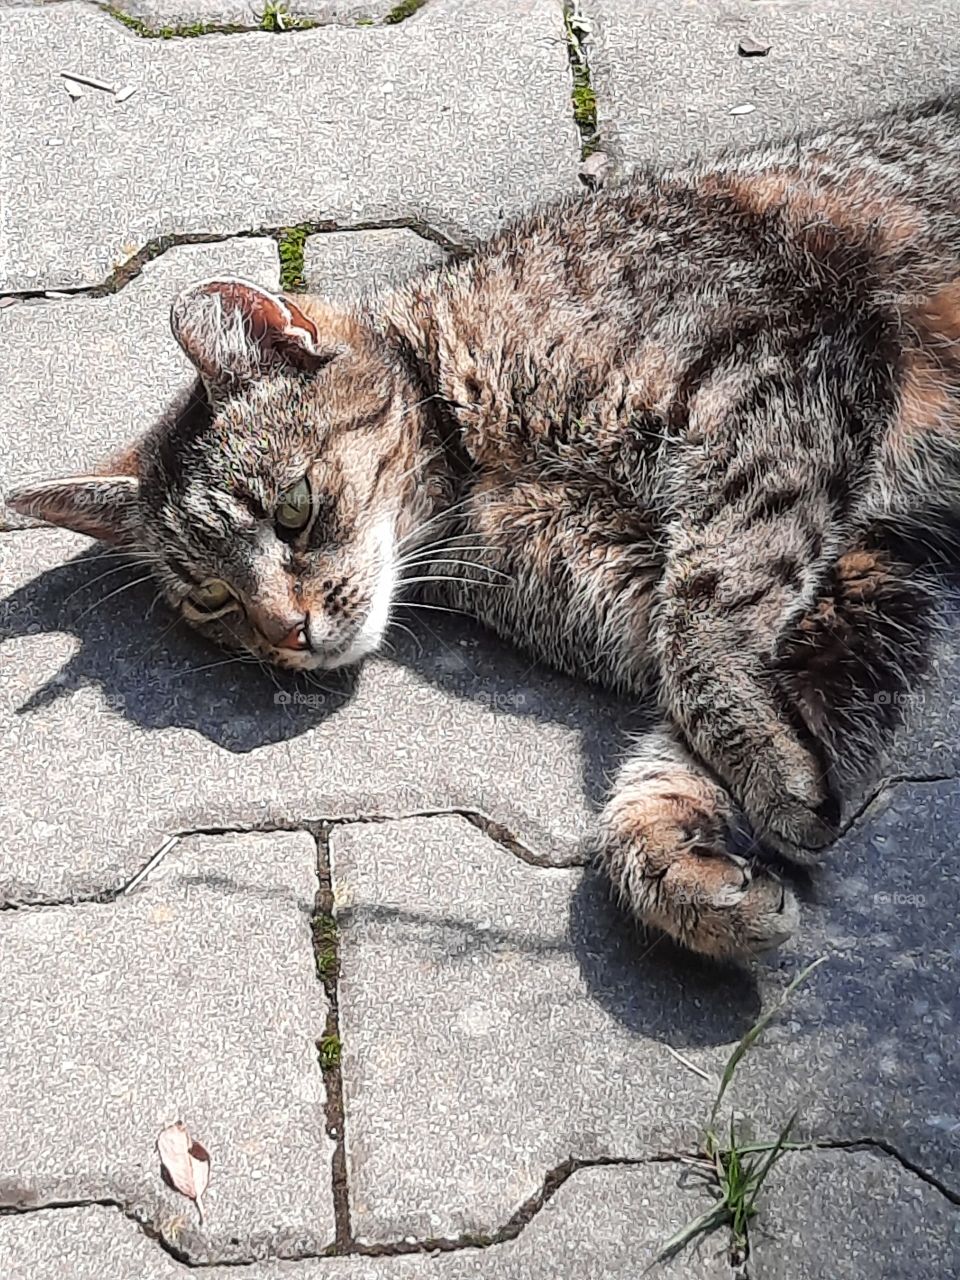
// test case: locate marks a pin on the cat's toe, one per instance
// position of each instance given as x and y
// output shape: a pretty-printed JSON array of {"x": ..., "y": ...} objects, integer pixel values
[
  {"x": 723, "y": 907},
  {"x": 793, "y": 809}
]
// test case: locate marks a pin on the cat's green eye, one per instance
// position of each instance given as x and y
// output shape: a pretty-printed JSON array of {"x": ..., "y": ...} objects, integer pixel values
[
  {"x": 212, "y": 595},
  {"x": 293, "y": 509}
]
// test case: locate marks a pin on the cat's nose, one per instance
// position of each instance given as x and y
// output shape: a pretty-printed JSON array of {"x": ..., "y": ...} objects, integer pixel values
[{"x": 284, "y": 629}]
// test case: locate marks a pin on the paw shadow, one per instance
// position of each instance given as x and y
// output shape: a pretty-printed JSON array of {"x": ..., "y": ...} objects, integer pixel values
[{"x": 651, "y": 986}]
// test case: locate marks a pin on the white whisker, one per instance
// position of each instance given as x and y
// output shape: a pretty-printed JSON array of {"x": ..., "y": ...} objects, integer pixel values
[{"x": 126, "y": 587}]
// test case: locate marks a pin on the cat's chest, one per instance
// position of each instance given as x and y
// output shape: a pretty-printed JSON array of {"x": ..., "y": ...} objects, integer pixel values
[{"x": 567, "y": 570}]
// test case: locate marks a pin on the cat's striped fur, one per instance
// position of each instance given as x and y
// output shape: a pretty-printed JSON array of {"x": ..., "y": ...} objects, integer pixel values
[{"x": 683, "y": 437}]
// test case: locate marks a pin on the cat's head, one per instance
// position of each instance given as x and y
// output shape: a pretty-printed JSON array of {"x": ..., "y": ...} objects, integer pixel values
[{"x": 271, "y": 510}]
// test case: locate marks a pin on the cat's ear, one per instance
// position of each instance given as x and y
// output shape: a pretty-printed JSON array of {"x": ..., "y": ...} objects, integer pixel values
[
  {"x": 236, "y": 332},
  {"x": 104, "y": 507}
]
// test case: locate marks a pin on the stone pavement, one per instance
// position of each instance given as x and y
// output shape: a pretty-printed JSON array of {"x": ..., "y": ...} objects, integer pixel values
[{"x": 347, "y": 933}]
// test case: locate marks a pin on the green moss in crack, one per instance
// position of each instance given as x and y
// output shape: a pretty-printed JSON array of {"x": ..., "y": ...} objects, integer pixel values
[
  {"x": 275, "y": 18},
  {"x": 583, "y": 95},
  {"x": 290, "y": 244},
  {"x": 325, "y": 947},
  {"x": 329, "y": 1050},
  {"x": 405, "y": 9}
]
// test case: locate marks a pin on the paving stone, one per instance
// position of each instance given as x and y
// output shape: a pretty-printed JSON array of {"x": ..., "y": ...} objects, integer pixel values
[
  {"x": 490, "y": 1059},
  {"x": 346, "y": 264},
  {"x": 82, "y": 377},
  {"x": 526, "y": 1023},
  {"x": 458, "y": 118},
  {"x": 867, "y": 1048},
  {"x": 602, "y": 1224},
  {"x": 667, "y": 75},
  {"x": 120, "y": 728},
  {"x": 195, "y": 998},
  {"x": 850, "y": 1215}
]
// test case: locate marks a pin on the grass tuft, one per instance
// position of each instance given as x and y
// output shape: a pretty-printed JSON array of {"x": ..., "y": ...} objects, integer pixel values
[{"x": 737, "y": 1171}]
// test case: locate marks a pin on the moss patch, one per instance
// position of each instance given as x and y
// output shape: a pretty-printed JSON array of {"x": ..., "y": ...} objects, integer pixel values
[
  {"x": 329, "y": 1050},
  {"x": 290, "y": 243},
  {"x": 405, "y": 9},
  {"x": 274, "y": 18},
  {"x": 325, "y": 947},
  {"x": 173, "y": 32},
  {"x": 583, "y": 95}
]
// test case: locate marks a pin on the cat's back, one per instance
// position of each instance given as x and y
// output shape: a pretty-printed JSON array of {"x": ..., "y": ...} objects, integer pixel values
[{"x": 838, "y": 249}]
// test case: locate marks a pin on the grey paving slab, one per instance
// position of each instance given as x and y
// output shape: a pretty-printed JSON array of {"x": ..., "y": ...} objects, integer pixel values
[
  {"x": 119, "y": 727},
  {"x": 667, "y": 75},
  {"x": 82, "y": 376},
  {"x": 852, "y": 1215},
  {"x": 458, "y": 118},
  {"x": 602, "y": 1224},
  {"x": 346, "y": 264},
  {"x": 527, "y": 1023},
  {"x": 194, "y": 999}
]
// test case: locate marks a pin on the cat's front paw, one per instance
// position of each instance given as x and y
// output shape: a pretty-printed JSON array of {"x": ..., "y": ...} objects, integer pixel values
[
  {"x": 666, "y": 848},
  {"x": 788, "y": 799}
]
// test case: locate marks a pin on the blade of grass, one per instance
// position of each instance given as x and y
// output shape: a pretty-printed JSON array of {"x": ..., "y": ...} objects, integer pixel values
[
  {"x": 714, "y": 1217},
  {"x": 758, "y": 1175},
  {"x": 754, "y": 1034}
]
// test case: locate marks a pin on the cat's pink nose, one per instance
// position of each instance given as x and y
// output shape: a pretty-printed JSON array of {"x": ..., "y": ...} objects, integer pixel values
[{"x": 296, "y": 639}]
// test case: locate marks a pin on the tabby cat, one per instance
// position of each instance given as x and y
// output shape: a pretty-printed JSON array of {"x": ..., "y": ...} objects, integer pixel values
[{"x": 681, "y": 437}]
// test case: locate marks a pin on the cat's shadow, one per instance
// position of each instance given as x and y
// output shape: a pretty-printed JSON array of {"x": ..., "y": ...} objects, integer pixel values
[{"x": 155, "y": 672}]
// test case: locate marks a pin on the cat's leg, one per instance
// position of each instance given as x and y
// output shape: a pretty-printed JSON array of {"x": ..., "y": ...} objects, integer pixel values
[
  {"x": 670, "y": 841},
  {"x": 667, "y": 841},
  {"x": 731, "y": 590},
  {"x": 788, "y": 715}
]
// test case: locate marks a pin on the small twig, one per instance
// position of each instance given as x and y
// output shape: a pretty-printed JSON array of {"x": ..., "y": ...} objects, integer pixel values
[
  {"x": 154, "y": 861},
  {"x": 691, "y": 1066},
  {"x": 88, "y": 80}
]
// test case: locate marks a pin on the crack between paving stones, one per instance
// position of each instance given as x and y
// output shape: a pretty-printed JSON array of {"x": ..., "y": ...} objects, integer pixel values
[
  {"x": 274, "y": 20},
  {"x": 582, "y": 94},
  {"x": 891, "y": 783},
  {"x": 159, "y": 245},
  {"x": 347, "y": 1245},
  {"x": 317, "y": 828},
  {"x": 326, "y": 946},
  {"x": 880, "y": 1144}
]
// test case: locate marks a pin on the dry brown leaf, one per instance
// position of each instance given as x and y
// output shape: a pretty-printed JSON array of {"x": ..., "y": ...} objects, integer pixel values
[{"x": 186, "y": 1163}]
